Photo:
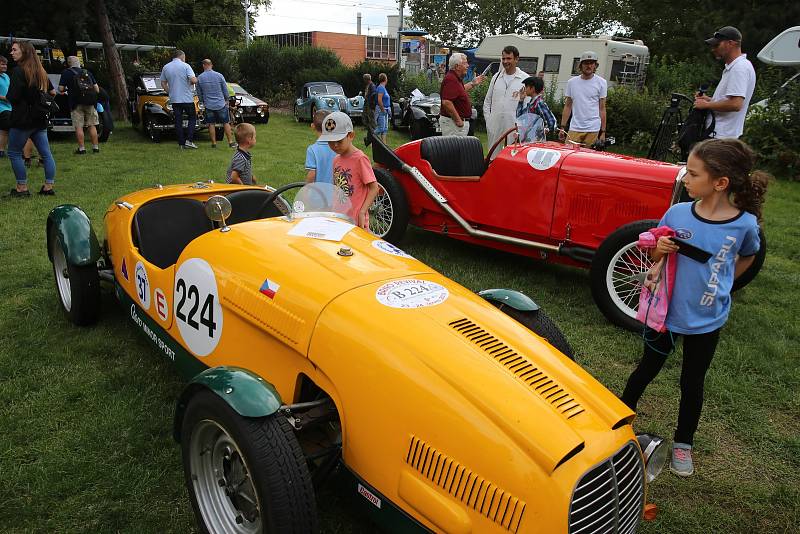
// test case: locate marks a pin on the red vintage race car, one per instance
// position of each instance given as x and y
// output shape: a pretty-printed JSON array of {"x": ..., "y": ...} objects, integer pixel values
[{"x": 559, "y": 203}]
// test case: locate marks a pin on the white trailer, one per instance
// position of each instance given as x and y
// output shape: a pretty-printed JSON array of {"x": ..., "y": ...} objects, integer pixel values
[
  {"x": 783, "y": 50},
  {"x": 621, "y": 62}
]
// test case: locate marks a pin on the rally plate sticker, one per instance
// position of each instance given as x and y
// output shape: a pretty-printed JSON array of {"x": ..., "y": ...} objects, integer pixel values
[{"x": 411, "y": 293}]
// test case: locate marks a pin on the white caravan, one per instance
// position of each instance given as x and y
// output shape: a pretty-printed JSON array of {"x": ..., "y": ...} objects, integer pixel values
[
  {"x": 621, "y": 62},
  {"x": 783, "y": 50}
]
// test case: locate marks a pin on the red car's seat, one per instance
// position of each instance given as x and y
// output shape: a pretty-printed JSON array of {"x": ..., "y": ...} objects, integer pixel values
[{"x": 454, "y": 156}]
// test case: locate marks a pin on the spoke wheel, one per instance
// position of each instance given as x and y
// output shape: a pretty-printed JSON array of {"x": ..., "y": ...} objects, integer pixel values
[
  {"x": 625, "y": 276},
  {"x": 388, "y": 214}
]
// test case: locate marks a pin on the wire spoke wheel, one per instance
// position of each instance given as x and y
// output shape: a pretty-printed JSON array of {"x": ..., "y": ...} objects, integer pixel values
[
  {"x": 625, "y": 276},
  {"x": 61, "y": 273},
  {"x": 381, "y": 213},
  {"x": 225, "y": 492}
]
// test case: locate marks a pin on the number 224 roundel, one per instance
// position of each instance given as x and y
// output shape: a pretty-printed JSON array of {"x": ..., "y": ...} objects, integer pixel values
[{"x": 197, "y": 308}]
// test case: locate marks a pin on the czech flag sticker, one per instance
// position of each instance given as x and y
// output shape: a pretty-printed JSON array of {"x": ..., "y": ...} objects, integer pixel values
[{"x": 269, "y": 288}]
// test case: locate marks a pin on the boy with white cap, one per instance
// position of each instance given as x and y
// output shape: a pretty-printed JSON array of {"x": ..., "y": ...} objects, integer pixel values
[
  {"x": 352, "y": 170},
  {"x": 585, "y": 100}
]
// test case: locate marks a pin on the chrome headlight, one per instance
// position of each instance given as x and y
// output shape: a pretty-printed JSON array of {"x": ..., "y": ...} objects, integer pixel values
[
  {"x": 435, "y": 109},
  {"x": 168, "y": 106},
  {"x": 678, "y": 188},
  {"x": 201, "y": 106},
  {"x": 330, "y": 102},
  {"x": 654, "y": 450}
]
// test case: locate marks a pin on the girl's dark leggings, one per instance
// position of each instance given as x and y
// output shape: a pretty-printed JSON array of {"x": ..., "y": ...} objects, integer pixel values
[{"x": 698, "y": 351}]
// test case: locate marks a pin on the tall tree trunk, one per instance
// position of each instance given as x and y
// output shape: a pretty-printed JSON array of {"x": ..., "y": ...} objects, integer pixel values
[{"x": 119, "y": 94}]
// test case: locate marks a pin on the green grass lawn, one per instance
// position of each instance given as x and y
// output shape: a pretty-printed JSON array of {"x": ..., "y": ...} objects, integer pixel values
[{"x": 85, "y": 432}]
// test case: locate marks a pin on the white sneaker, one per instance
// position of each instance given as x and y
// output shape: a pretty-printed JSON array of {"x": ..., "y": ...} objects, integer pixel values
[{"x": 189, "y": 144}]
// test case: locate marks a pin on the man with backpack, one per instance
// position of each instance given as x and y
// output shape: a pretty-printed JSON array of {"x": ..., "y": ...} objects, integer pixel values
[{"x": 82, "y": 92}]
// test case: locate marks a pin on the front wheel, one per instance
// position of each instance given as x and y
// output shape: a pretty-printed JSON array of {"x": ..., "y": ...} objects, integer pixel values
[
  {"x": 105, "y": 126},
  {"x": 150, "y": 129},
  {"x": 617, "y": 272},
  {"x": 419, "y": 130},
  {"x": 388, "y": 214},
  {"x": 244, "y": 474},
  {"x": 297, "y": 117},
  {"x": 78, "y": 287},
  {"x": 540, "y": 324}
]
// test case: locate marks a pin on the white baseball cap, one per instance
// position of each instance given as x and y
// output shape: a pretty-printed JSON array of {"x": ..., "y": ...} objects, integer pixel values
[
  {"x": 588, "y": 56},
  {"x": 336, "y": 126}
]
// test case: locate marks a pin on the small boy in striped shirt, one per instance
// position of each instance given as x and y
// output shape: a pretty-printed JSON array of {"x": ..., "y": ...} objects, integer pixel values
[{"x": 240, "y": 170}]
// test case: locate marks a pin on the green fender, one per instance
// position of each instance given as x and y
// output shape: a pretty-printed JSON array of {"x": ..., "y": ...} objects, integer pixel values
[
  {"x": 247, "y": 393},
  {"x": 509, "y": 297},
  {"x": 73, "y": 228}
]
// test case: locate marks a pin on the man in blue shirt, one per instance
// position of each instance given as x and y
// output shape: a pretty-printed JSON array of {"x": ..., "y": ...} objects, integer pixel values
[
  {"x": 213, "y": 93},
  {"x": 177, "y": 79},
  {"x": 5, "y": 106}
]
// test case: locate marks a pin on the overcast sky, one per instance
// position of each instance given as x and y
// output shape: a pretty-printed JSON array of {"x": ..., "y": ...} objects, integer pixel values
[{"x": 288, "y": 16}]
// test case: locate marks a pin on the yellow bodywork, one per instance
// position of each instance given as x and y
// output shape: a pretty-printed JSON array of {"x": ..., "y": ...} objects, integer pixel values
[
  {"x": 432, "y": 415},
  {"x": 159, "y": 100}
]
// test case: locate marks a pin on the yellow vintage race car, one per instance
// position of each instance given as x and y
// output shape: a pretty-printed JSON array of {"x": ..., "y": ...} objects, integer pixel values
[{"x": 310, "y": 346}]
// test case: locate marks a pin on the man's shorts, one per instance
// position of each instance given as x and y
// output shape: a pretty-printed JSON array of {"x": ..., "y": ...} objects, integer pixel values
[
  {"x": 5, "y": 121},
  {"x": 216, "y": 116},
  {"x": 84, "y": 116},
  {"x": 584, "y": 138}
]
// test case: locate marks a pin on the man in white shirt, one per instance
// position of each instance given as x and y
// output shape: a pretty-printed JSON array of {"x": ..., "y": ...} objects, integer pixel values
[
  {"x": 735, "y": 89},
  {"x": 585, "y": 100},
  {"x": 500, "y": 104}
]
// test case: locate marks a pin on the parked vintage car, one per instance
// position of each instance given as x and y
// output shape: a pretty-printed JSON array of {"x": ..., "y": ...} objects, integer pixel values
[
  {"x": 326, "y": 95},
  {"x": 420, "y": 115},
  {"x": 150, "y": 107},
  {"x": 309, "y": 345},
  {"x": 61, "y": 120},
  {"x": 245, "y": 107},
  {"x": 560, "y": 203}
]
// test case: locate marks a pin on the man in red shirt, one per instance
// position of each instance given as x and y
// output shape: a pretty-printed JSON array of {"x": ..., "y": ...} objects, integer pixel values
[{"x": 456, "y": 104}]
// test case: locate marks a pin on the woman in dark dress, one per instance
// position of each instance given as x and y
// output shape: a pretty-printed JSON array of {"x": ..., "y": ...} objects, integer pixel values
[{"x": 28, "y": 81}]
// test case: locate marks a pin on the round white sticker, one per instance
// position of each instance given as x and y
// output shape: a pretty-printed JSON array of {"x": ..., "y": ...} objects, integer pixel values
[
  {"x": 197, "y": 308},
  {"x": 411, "y": 293},
  {"x": 298, "y": 206},
  {"x": 388, "y": 248},
  {"x": 543, "y": 158},
  {"x": 142, "y": 285}
]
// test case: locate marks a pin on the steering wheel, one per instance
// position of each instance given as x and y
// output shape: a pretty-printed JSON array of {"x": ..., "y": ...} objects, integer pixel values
[
  {"x": 502, "y": 139},
  {"x": 271, "y": 198}
]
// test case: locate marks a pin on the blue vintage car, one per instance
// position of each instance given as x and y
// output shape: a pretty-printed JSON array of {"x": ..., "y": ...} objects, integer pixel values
[{"x": 326, "y": 95}]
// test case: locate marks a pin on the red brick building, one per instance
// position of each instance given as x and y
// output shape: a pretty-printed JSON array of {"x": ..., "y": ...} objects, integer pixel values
[{"x": 351, "y": 48}]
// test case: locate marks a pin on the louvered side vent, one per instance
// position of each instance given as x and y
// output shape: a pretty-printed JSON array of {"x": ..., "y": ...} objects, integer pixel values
[
  {"x": 521, "y": 367},
  {"x": 471, "y": 489},
  {"x": 262, "y": 311},
  {"x": 610, "y": 497}
]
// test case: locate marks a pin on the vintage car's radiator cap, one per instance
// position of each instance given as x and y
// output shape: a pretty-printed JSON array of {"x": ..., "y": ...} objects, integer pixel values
[{"x": 345, "y": 251}]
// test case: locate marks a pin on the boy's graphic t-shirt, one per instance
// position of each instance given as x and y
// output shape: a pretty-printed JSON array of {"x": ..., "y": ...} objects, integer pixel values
[
  {"x": 701, "y": 298},
  {"x": 352, "y": 173},
  {"x": 319, "y": 157}
]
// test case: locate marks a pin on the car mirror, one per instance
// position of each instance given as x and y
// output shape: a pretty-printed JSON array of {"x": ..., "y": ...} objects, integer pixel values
[{"x": 218, "y": 208}]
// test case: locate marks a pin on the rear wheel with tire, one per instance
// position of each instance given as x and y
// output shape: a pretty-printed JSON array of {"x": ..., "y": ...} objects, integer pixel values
[
  {"x": 388, "y": 214},
  {"x": 297, "y": 117},
  {"x": 617, "y": 272},
  {"x": 540, "y": 324},
  {"x": 244, "y": 474},
  {"x": 150, "y": 129},
  {"x": 313, "y": 112},
  {"x": 78, "y": 287}
]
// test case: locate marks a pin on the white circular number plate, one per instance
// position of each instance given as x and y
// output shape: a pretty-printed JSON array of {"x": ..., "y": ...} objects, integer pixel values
[
  {"x": 388, "y": 248},
  {"x": 542, "y": 159},
  {"x": 142, "y": 285},
  {"x": 197, "y": 308},
  {"x": 411, "y": 293}
]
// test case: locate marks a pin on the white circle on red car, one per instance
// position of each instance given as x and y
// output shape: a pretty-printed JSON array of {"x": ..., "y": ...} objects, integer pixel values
[
  {"x": 196, "y": 306},
  {"x": 142, "y": 284},
  {"x": 388, "y": 248},
  {"x": 161, "y": 304},
  {"x": 542, "y": 159},
  {"x": 411, "y": 293}
]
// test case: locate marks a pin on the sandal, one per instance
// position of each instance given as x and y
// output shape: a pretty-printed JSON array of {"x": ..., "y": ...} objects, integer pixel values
[
  {"x": 20, "y": 194},
  {"x": 44, "y": 191}
]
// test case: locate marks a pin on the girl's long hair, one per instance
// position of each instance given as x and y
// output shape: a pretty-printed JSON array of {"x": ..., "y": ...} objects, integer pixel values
[
  {"x": 35, "y": 74},
  {"x": 734, "y": 159}
]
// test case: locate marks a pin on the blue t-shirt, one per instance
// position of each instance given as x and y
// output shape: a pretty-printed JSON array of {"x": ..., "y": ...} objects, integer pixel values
[
  {"x": 212, "y": 90},
  {"x": 5, "y": 105},
  {"x": 383, "y": 94},
  {"x": 701, "y": 297},
  {"x": 319, "y": 157},
  {"x": 177, "y": 74}
]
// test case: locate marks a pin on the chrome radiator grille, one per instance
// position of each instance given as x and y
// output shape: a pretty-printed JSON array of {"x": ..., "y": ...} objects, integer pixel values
[{"x": 610, "y": 497}]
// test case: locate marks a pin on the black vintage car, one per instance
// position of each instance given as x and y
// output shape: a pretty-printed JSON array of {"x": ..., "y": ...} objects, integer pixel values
[
  {"x": 421, "y": 116},
  {"x": 61, "y": 119},
  {"x": 245, "y": 107}
]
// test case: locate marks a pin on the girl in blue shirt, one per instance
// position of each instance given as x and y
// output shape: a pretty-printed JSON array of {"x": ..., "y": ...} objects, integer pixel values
[{"x": 723, "y": 220}]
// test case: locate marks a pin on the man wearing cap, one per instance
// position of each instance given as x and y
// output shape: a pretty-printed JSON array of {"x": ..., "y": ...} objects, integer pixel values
[
  {"x": 733, "y": 93},
  {"x": 585, "y": 100},
  {"x": 500, "y": 104},
  {"x": 456, "y": 108}
]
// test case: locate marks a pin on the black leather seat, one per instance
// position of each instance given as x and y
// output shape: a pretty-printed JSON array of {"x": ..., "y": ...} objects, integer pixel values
[
  {"x": 247, "y": 206},
  {"x": 164, "y": 227},
  {"x": 454, "y": 156}
]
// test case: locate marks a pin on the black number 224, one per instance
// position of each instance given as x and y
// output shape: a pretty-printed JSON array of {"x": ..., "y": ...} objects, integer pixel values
[{"x": 193, "y": 296}]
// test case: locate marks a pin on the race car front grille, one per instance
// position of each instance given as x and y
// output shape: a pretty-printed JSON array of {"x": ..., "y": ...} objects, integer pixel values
[
  {"x": 466, "y": 486},
  {"x": 536, "y": 379},
  {"x": 610, "y": 497}
]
